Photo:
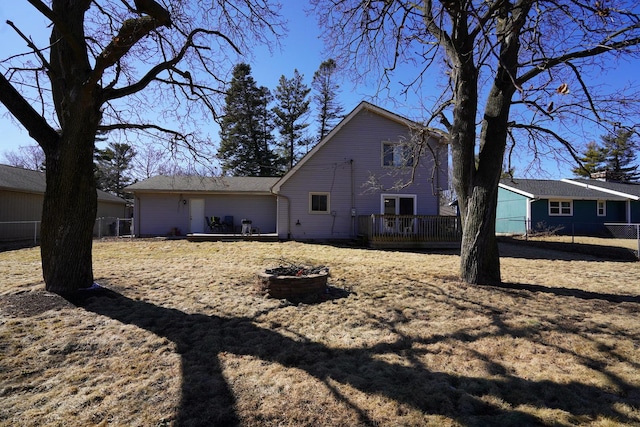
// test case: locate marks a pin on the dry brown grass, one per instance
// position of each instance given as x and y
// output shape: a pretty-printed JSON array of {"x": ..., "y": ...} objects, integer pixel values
[{"x": 181, "y": 338}]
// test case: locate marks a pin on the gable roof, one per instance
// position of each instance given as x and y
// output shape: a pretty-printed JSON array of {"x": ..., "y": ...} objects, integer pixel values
[
  {"x": 29, "y": 181},
  {"x": 626, "y": 190},
  {"x": 554, "y": 189},
  {"x": 192, "y": 183},
  {"x": 362, "y": 106}
]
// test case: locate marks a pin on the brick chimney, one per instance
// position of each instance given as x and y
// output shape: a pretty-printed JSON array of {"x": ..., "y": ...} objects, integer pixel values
[{"x": 603, "y": 176}]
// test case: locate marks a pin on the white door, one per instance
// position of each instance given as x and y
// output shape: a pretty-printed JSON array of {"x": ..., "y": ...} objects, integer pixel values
[
  {"x": 394, "y": 205},
  {"x": 196, "y": 215}
]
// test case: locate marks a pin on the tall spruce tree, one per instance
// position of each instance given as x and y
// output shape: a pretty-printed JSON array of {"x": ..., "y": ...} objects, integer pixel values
[
  {"x": 292, "y": 106},
  {"x": 326, "y": 97},
  {"x": 620, "y": 152},
  {"x": 113, "y": 168},
  {"x": 592, "y": 160},
  {"x": 246, "y": 137}
]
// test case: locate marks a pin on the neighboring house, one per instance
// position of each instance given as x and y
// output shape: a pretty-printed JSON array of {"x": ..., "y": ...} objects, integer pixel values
[
  {"x": 21, "y": 197},
  {"x": 178, "y": 205},
  {"x": 566, "y": 206},
  {"x": 343, "y": 185},
  {"x": 629, "y": 191}
]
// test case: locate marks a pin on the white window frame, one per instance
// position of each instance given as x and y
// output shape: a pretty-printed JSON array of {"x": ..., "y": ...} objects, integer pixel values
[
  {"x": 560, "y": 207},
  {"x": 404, "y": 158},
  {"x": 319, "y": 193},
  {"x": 601, "y": 207},
  {"x": 398, "y": 197}
]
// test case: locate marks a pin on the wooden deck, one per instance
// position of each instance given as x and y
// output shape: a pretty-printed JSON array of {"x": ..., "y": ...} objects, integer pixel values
[
  {"x": 410, "y": 231},
  {"x": 232, "y": 237}
]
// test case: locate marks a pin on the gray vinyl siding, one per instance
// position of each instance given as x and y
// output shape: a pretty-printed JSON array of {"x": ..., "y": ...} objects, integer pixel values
[
  {"x": 260, "y": 209},
  {"x": 111, "y": 210},
  {"x": 342, "y": 167},
  {"x": 17, "y": 206},
  {"x": 157, "y": 213}
]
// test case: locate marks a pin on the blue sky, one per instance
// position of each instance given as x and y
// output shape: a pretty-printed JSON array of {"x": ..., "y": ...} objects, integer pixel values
[{"x": 302, "y": 49}]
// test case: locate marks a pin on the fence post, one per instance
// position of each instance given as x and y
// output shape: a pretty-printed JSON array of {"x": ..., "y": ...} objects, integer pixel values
[
  {"x": 638, "y": 239},
  {"x": 35, "y": 233},
  {"x": 117, "y": 227}
]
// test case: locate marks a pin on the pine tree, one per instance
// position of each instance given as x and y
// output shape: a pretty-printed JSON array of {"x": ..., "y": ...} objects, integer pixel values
[
  {"x": 293, "y": 105},
  {"x": 329, "y": 110},
  {"x": 113, "y": 166},
  {"x": 620, "y": 154},
  {"x": 246, "y": 137},
  {"x": 592, "y": 159}
]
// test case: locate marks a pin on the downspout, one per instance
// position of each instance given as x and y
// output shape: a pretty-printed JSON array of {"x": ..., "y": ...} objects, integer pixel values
[
  {"x": 136, "y": 216},
  {"x": 288, "y": 213},
  {"x": 353, "y": 202}
]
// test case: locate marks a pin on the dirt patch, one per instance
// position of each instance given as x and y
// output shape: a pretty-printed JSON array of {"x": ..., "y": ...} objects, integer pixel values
[{"x": 32, "y": 303}]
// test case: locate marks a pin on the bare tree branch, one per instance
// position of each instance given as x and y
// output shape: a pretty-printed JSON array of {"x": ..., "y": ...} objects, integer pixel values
[
  {"x": 37, "y": 126},
  {"x": 77, "y": 45}
]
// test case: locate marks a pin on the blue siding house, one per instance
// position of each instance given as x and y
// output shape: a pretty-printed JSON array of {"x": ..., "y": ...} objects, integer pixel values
[
  {"x": 629, "y": 191},
  {"x": 567, "y": 206}
]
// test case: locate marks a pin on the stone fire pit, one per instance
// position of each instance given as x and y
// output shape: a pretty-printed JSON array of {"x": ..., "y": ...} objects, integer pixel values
[{"x": 293, "y": 282}]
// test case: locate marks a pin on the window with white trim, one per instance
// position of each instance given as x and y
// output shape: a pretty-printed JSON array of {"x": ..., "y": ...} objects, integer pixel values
[
  {"x": 319, "y": 203},
  {"x": 560, "y": 207},
  {"x": 602, "y": 208},
  {"x": 396, "y": 154}
]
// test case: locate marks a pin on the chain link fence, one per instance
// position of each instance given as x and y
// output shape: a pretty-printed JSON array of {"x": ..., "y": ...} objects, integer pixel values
[
  {"x": 628, "y": 235},
  {"x": 27, "y": 233}
]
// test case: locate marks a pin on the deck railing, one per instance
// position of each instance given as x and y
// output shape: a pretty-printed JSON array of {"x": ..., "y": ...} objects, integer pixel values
[{"x": 410, "y": 228}]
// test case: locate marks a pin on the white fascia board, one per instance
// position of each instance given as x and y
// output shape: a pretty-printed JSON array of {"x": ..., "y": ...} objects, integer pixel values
[
  {"x": 604, "y": 190},
  {"x": 517, "y": 191}
]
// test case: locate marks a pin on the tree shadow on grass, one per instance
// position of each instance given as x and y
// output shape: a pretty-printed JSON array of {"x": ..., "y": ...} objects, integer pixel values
[
  {"x": 568, "y": 292},
  {"x": 566, "y": 251},
  {"x": 207, "y": 399}
]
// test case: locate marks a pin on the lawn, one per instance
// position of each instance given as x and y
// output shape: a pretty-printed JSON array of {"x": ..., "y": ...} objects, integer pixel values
[{"x": 180, "y": 337}]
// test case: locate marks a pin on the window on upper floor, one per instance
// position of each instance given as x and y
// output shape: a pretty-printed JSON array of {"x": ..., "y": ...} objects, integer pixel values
[
  {"x": 396, "y": 154},
  {"x": 319, "y": 203},
  {"x": 560, "y": 207}
]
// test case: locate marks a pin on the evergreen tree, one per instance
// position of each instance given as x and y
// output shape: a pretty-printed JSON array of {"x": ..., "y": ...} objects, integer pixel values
[
  {"x": 592, "y": 160},
  {"x": 246, "y": 137},
  {"x": 620, "y": 154},
  {"x": 293, "y": 105},
  {"x": 113, "y": 166},
  {"x": 325, "y": 98}
]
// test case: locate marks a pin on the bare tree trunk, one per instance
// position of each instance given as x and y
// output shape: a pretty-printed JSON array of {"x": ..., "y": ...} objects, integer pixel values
[
  {"x": 70, "y": 201},
  {"x": 68, "y": 213},
  {"x": 479, "y": 256},
  {"x": 477, "y": 186}
]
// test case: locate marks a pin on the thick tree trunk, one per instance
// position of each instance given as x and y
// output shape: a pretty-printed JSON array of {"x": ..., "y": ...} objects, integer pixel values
[
  {"x": 69, "y": 212},
  {"x": 477, "y": 185},
  {"x": 479, "y": 256},
  {"x": 70, "y": 201}
]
